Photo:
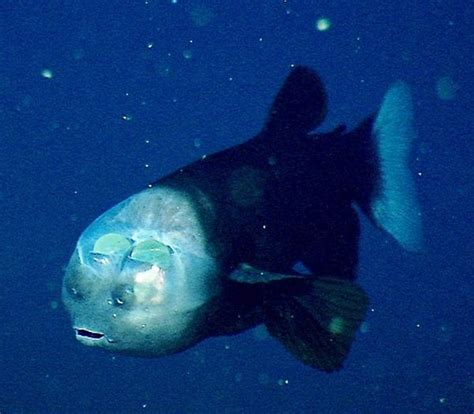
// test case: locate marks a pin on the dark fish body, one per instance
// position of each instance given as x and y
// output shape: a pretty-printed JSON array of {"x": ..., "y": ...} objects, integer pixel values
[{"x": 211, "y": 249}]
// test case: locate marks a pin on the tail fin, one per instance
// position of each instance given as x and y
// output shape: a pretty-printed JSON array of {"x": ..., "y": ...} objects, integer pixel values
[
  {"x": 319, "y": 325},
  {"x": 392, "y": 203},
  {"x": 300, "y": 106}
]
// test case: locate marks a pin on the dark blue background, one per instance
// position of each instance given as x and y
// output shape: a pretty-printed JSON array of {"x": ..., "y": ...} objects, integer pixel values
[{"x": 67, "y": 154}]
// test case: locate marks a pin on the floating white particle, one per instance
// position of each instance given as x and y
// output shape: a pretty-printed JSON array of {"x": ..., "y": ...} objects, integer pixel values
[
  {"x": 323, "y": 24},
  {"x": 446, "y": 88},
  {"x": 47, "y": 73},
  {"x": 263, "y": 378},
  {"x": 201, "y": 15}
]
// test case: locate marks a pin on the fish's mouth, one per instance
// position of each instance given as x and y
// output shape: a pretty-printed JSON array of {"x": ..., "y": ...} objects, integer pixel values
[{"x": 87, "y": 335}]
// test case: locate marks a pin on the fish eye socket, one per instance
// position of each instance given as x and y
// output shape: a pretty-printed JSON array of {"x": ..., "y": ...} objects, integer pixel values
[
  {"x": 75, "y": 293},
  {"x": 111, "y": 244},
  {"x": 152, "y": 252},
  {"x": 78, "y": 287},
  {"x": 122, "y": 295}
]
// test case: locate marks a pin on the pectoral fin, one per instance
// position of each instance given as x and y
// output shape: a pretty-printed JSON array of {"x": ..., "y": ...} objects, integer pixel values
[{"x": 318, "y": 326}]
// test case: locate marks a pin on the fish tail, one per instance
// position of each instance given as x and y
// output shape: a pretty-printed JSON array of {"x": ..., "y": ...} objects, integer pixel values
[
  {"x": 318, "y": 324},
  {"x": 386, "y": 187}
]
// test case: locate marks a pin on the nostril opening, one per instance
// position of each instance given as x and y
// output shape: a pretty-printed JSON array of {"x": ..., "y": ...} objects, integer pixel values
[{"x": 76, "y": 294}]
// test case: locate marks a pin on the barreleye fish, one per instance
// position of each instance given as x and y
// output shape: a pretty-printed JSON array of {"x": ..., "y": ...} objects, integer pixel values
[{"x": 215, "y": 247}]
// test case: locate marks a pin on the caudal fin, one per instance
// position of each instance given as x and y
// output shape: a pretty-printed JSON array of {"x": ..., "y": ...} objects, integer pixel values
[
  {"x": 391, "y": 203},
  {"x": 318, "y": 325}
]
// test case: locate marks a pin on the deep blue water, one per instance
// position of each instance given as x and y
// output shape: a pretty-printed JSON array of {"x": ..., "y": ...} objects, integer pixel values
[{"x": 100, "y": 98}]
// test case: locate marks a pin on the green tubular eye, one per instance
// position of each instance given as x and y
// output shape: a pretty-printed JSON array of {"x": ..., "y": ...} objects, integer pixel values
[
  {"x": 153, "y": 252},
  {"x": 112, "y": 243}
]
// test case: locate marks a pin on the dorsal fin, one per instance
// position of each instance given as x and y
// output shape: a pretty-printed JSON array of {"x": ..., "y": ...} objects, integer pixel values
[{"x": 300, "y": 105}]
